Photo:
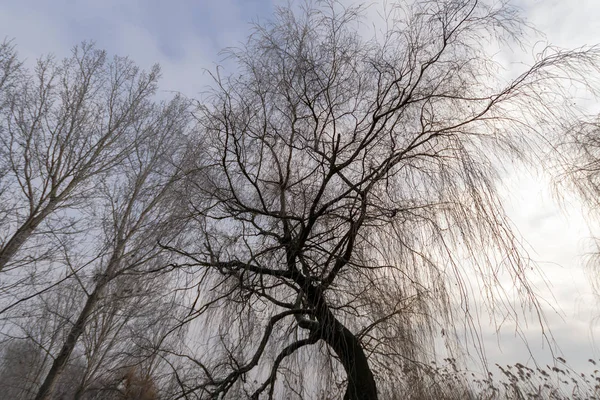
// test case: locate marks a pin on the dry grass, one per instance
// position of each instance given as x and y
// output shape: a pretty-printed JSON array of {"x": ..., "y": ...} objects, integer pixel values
[{"x": 446, "y": 381}]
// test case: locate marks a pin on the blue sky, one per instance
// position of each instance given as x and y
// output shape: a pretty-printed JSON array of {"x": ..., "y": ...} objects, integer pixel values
[{"x": 185, "y": 37}]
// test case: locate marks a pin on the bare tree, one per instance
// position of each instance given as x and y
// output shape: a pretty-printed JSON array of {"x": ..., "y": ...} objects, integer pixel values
[
  {"x": 336, "y": 213},
  {"x": 137, "y": 206},
  {"x": 62, "y": 125},
  {"x": 347, "y": 207},
  {"x": 82, "y": 140}
]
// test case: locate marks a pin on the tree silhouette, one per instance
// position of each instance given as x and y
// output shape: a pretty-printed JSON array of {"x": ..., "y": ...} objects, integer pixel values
[{"x": 345, "y": 196}]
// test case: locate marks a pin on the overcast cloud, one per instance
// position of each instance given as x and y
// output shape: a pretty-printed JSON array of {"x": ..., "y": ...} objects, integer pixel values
[{"x": 185, "y": 37}]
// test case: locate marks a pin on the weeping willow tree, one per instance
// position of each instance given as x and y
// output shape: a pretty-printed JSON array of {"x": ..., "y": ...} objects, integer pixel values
[
  {"x": 345, "y": 204},
  {"x": 579, "y": 174}
]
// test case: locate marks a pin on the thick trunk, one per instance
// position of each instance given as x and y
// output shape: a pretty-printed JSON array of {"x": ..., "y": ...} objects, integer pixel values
[
  {"x": 47, "y": 387},
  {"x": 361, "y": 383},
  {"x": 14, "y": 244}
]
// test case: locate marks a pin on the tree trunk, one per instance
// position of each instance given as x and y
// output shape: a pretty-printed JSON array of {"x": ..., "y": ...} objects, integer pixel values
[
  {"x": 14, "y": 243},
  {"x": 361, "y": 382},
  {"x": 47, "y": 387},
  {"x": 23, "y": 234}
]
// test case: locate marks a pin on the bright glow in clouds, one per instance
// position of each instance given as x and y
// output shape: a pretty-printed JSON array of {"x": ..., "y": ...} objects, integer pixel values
[{"x": 185, "y": 37}]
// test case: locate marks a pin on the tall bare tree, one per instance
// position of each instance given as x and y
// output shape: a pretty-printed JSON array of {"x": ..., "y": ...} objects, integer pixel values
[
  {"x": 348, "y": 205},
  {"x": 136, "y": 204},
  {"x": 83, "y": 140},
  {"x": 63, "y": 124}
]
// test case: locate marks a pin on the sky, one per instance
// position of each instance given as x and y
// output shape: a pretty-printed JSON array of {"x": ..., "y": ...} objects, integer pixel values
[{"x": 186, "y": 36}]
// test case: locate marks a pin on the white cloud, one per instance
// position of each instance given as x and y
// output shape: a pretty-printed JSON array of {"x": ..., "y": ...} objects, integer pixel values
[{"x": 185, "y": 37}]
